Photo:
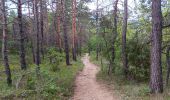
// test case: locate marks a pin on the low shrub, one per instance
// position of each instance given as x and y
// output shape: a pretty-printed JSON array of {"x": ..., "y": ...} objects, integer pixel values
[{"x": 55, "y": 58}]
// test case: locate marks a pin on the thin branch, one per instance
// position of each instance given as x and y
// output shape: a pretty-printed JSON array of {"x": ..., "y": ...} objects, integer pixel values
[
  {"x": 14, "y": 1},
  {"x": 166, "y": 26},
  {"x": 27, "y": 1}
]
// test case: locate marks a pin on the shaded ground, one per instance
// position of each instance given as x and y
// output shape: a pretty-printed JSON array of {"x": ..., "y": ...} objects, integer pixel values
[{"x": 87, "y": 88}]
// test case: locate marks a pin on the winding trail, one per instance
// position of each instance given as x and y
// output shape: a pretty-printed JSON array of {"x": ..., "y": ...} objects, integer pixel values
[{"x": 87, "y": 88}]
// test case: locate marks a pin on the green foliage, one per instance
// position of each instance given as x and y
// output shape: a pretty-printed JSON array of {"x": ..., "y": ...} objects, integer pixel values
[
  {"x": 60, "y": 83},
  {"x": 30, "y": 83},
  {"x": 138, "y": 58},
  {"x": 55, "y": 58},
  {"x": 12, "y": 48},
  {"x": 56, "y": 85},
  {"x": 128, "y": 90},
  {"x": 92, "y": 43},
  {"x": 105, "y": 22}
]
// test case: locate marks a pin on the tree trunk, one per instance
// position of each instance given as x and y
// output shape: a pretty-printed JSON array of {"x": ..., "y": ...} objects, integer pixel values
[
  {"x": 65, "y": 33},
  {"x": 58, "y": 33},
  {"x": 156, "y": 82},
  {"x": 89, "y": 50},
  {"x": 74, "y": 29},
  {"x": 124, "y": 31},
  {"x": 4, "y": 45},
  {"x": 57, "y": 26},
  {"x": 37, "y": 60},
  {"x": 167, "y": 64},
  {"x": 114, "y": 36},
  {"x": 42, "y": 27},
  {"x": 22, "y": 48},
  {"x": 97, "y": 30},
  {"x": 80, "y": 40},
  {"x": 32, "y": 49}
]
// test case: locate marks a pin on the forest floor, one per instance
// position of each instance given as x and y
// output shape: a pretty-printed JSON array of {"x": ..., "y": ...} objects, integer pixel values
[{"x": 87, "y": 87}]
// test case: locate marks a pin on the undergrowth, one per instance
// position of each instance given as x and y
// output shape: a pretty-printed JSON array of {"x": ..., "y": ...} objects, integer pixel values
[
  {"x": 46, "y": 85},
  {"x": 126, "y": 89}
]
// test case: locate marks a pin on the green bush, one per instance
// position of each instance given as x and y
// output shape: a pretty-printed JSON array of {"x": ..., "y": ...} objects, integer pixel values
[
  {"x": 31, "y": 83},
  {"x": 138, "y": 59},
  {"x": 55, "y": 58},
  {"x": 12, "y": 46}
]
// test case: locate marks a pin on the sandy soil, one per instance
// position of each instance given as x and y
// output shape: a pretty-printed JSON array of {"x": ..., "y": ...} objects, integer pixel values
[{"x": 87, "y": 88}]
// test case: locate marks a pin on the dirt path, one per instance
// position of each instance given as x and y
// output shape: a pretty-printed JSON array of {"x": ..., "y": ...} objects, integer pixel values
[{"x": 87, "y": 88}]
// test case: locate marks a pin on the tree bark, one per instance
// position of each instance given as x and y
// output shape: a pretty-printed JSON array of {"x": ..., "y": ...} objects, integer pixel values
[
  {"x": 156, "y": 82},
  {"x": 74, "y": 30},
  {"x": 4, "y": 45},
  {"x": 65, "y": 33},
  {"x": 58, "y": 33},
  {"x": 32, "y": 49},
  {"x": 97, "y": 29},
  {"x": 80, "y": 41},
  {"x": 124, "y": 31},
  {"x": 22, "y": 48},
  {"x": 37, "y": 60},
  {"x": 58, "y": 27},
  {"x": 114, "y": 36},
  {"x": 167, "y": 64},
  {"x": 42, "y": 27}
]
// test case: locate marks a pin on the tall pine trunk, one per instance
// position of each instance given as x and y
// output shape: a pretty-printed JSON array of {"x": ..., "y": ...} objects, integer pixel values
[
  {"x": 124, "y": 31},
  {"x": 156, "y": 82},
  {"x": 22, "y": 37},
  {"x": 42, "y": 27},
  {"x": 4, "y": 45},
  {"x": 37, "y": 60},
  {"x": 74, "y": 30},
  {"x": 65, "y": 33},
  {"x": 58, "y": 26}
]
